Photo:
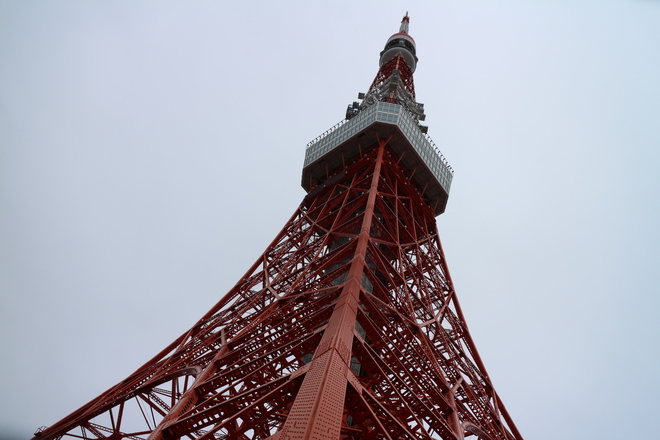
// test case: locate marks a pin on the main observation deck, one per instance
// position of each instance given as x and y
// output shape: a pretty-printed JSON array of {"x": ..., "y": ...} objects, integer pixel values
[{"x": 419, "y": 155}]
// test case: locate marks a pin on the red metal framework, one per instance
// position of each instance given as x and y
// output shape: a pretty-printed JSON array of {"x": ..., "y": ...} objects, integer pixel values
[
  {"x": 386, "y": 70},
  {"x": 347, "y": 326}
]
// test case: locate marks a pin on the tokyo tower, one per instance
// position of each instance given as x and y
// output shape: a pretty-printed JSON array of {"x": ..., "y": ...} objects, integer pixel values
[{"x": 347, "y": 326}]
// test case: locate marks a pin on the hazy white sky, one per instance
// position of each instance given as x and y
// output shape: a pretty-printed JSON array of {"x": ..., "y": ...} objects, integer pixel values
[{"x": 150, "y": 150}]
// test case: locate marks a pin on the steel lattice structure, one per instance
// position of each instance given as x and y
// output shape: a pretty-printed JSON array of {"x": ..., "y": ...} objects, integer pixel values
[{"x": 348, "y": 325}]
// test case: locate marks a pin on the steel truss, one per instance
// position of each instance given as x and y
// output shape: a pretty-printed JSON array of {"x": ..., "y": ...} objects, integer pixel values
[
  {"x": 347, "y": 327},
  {"x": 405, "y": 73}
]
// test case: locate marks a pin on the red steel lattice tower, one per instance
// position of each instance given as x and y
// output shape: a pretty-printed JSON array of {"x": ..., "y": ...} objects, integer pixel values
[{"x": 347, "y": 326}]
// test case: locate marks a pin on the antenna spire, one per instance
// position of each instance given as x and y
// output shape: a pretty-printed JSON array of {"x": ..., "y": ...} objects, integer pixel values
[{"x": 405, "y": 22}]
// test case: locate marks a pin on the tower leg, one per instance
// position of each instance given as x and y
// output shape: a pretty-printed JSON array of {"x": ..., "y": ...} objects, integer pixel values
[{"x": 326, "y": 380}]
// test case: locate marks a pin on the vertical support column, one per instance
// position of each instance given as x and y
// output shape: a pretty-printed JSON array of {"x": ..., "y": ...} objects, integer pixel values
[
  {"x": 318, "y": 409},
  {"x": 454, "y": 420}
]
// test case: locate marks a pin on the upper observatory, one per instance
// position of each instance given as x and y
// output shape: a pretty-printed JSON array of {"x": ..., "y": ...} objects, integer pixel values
[{"x": 401, "y": 44}]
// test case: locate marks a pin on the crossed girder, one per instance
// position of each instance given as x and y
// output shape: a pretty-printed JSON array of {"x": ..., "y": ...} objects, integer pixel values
[{"x": 347, "y": 326}]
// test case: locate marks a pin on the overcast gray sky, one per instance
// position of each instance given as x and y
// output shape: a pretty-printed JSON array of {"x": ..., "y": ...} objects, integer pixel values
[{"x": 150, "y": 151}]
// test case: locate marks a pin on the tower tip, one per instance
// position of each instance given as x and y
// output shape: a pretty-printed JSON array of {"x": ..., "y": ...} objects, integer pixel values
[{"x": 405, "y": 22}]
